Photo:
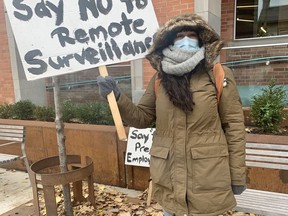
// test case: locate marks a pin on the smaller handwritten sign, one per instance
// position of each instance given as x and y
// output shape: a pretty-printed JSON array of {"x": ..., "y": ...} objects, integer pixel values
[{"x": 138, "y": 147}]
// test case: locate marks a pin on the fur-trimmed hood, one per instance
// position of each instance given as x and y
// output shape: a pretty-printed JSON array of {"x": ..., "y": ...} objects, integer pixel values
[{"x": 167, "y": 33}]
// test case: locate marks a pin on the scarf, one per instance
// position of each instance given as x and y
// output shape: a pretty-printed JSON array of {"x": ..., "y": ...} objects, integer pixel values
[{"x": 178, "y": 62}]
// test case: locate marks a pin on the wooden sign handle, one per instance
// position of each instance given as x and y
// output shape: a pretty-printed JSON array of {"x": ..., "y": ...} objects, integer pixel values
[
  {"x": 149, "y": 194},
  {"x": 114, "y": 109}
]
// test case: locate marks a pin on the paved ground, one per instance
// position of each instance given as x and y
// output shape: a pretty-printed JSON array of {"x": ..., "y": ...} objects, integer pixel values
[{"x": 15, "y": 190}]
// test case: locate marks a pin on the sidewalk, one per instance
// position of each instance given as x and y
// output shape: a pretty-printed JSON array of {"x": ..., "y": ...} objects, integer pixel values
[{"x": 15, "y": 190}]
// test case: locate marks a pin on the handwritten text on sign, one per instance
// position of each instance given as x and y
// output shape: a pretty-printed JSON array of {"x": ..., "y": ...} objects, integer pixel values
[
  {"x": 57, "y": 37},
  {"x": 138, "y": 147}
]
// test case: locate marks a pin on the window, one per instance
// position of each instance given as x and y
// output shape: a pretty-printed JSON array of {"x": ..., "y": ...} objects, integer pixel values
[{"x": 261, "y": 18}]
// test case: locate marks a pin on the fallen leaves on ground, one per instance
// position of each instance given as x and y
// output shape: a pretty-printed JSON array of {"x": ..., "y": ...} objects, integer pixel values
[
  {"x": 282, "y": 131},
  {"x": 110, "y": 202}
]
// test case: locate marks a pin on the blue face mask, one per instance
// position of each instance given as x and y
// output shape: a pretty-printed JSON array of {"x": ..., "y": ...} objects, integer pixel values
[{"x": 188, "y": 44}]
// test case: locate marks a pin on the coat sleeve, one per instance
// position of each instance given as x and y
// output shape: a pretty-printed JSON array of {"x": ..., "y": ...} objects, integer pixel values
[
  {"x": 231, "y": 114},
  {"x": 142, "y": 115}
]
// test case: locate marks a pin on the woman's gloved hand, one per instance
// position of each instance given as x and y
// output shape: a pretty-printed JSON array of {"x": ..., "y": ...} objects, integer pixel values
[
  {"x": 106, "y": 85},
  {"x": 238, "y": 189}
]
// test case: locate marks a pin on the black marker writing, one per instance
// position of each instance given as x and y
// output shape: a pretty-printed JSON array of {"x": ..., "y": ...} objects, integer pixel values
[
  {"x": 22, "y": 7},
  {"x": 31, "y": 59},
  {"x": 135, "y": 135},
  {"x": 138, "y": 160},
  {"x": 90, "y": 55},
  {"x": 140, "y": 4},
  {"x": 42, "y": 9},
  {"x": 85, "y": 5},
  {"x": 114, "y": 29}
]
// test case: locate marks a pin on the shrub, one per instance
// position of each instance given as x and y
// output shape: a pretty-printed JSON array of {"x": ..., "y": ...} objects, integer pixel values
[
  {"x": 87, "y": 113},
  {"x": 6, "y": 111},
  {"x": 267, "y": 108},
  {"x": 68, "y": 110},
  {"x": 94, "y": 113},
  {"x": 23, "y": 110},
  {"x": 42, "y": 113}
]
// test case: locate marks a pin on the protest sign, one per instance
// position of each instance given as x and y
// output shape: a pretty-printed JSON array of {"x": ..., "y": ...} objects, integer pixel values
[
  {"x": 138, "y": 146},
  {"x": 58, "y": 37}
]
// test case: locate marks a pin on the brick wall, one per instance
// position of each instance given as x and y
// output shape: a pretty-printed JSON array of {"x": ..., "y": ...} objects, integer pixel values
[
  {"x": 81, "y": 87},
  {"x": 227, "y": 23},
  {"x": 6, "y": 81},
  {"x": 166, "y": 9},
  {"x": 227, "y": 20},
  {"x": 260, "y": 74}
]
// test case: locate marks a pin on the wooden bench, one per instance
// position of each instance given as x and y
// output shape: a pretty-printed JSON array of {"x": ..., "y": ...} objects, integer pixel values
[
  {"x": 13, "y": 135},
  {"x": 271, "y": 156}
]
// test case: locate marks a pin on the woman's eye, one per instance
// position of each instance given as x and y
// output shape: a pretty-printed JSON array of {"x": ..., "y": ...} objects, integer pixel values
[{"x": 180, "y": 36}]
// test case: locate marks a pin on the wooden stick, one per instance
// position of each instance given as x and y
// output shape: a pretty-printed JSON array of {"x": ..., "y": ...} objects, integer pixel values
[
  {"x": 149, "y": 193},
  {"x": 114, "y": 109}
]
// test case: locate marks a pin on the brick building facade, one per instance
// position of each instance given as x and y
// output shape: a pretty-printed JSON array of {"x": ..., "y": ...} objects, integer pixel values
[
  {"x": 255, "y": 62},
  {"x": 6, "y": 80}
]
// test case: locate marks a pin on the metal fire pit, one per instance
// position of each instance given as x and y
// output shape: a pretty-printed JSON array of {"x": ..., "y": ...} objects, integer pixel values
[{"x": 78, "y": 172}]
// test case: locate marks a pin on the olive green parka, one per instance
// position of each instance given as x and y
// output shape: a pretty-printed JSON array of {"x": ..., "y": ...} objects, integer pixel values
[{"x": 195, "y": 156}]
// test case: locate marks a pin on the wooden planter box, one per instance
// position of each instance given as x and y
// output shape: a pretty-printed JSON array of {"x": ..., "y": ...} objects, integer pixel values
[{"x": 98, "y": 142}]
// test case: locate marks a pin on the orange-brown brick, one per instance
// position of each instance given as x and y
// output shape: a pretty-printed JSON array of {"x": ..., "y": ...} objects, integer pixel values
[{"x": 6, "y": 81}]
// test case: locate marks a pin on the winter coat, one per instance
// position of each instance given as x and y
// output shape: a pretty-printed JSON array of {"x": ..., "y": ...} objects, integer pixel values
[{"x": 195, "y": 156}]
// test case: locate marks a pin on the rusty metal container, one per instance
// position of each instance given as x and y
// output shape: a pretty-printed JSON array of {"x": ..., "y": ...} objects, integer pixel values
[{"x": 45, "y": 175}]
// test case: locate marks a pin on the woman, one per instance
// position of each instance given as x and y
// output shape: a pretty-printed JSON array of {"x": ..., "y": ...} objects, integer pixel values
[{"x": 198, "y": 151}]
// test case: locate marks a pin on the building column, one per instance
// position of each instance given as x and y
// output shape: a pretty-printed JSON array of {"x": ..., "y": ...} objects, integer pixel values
[
  {"x": 210, "y": 11},
  {"x": 137, "y": 80},
  {"x": 24, "y": 90}
]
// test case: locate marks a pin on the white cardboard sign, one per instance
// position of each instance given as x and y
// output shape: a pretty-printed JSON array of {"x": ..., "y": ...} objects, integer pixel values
[
  {"x": 57, "y": 37},
  {"x": 138, "y": 146}
]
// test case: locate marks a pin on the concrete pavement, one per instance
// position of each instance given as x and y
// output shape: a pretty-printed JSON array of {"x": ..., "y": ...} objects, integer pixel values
[{"x": 15, "y": 189}]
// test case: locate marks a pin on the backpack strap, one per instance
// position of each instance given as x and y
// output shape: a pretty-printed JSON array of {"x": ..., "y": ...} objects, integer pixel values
[
  {"x": 157, "y": 84},
  {"x": 219, "y": 75}
]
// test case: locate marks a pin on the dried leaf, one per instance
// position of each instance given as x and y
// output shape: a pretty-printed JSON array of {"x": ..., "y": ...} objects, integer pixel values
[
  {"x": 157, "y": 206},
  {"x": 149, "y": 209},
  {"x": 43, "y": 211},
  {"x": 140, "y": 212},
  {"x": 134, "y": 207},
  {"x": 85, "y": 209},
  {"x": 29, "y": 204},
  {"x": 157, "y": 214},
  {"x": 124, "y": 214},
  {"x": 119, "y": 200},
  {"x": 58, "y": 199},
  {"x": 239, "y": 214},
  {"x": 101, "y": 187}
]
